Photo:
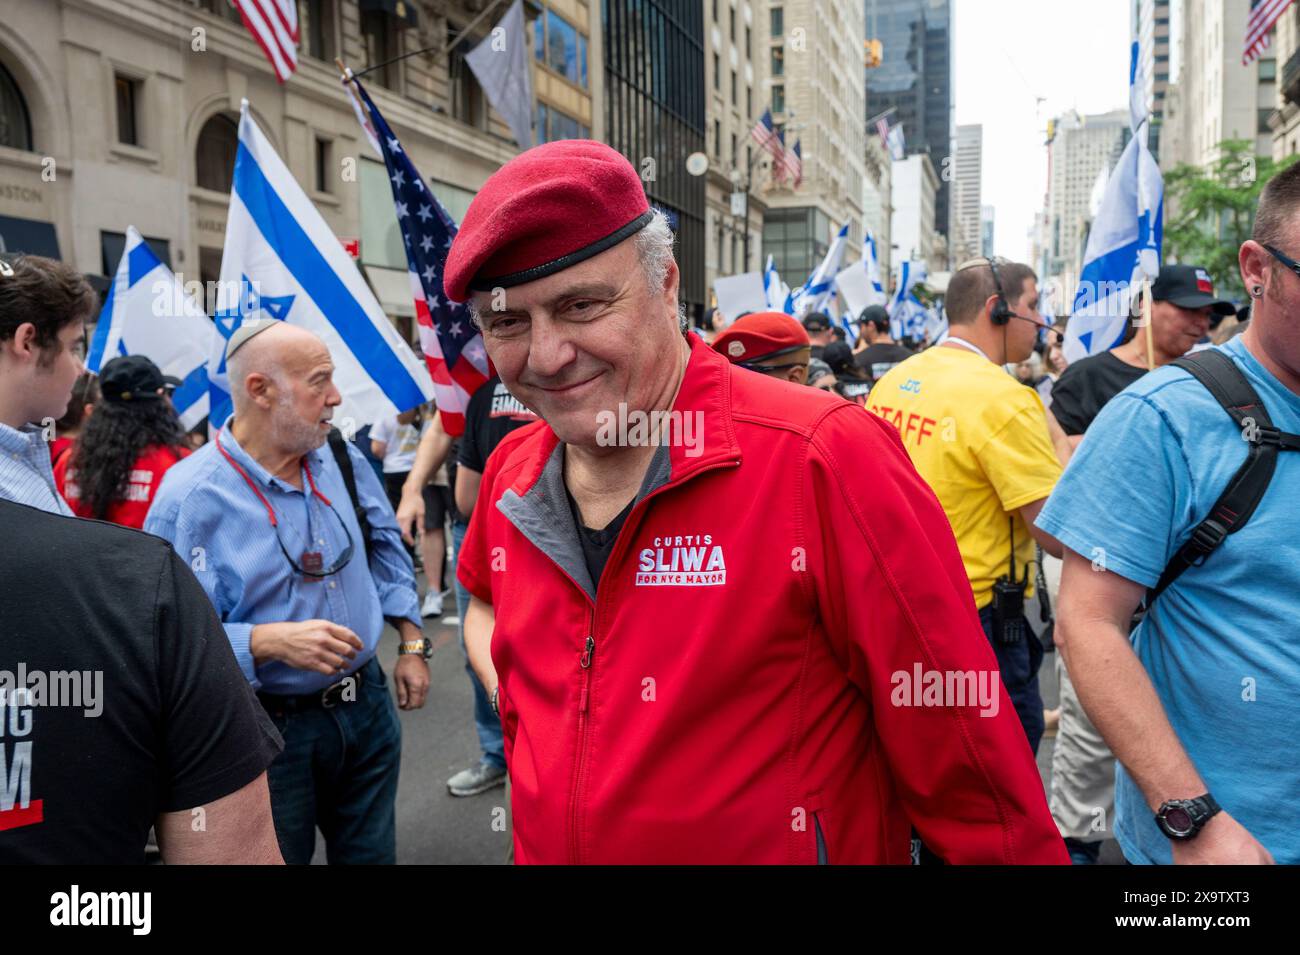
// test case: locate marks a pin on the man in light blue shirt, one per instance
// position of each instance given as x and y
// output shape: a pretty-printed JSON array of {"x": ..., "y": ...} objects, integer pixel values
[
  {"x": 263, "y": 516},
  {"x": 44, "y": 307},
  {"x": 1206, "y": 700}
]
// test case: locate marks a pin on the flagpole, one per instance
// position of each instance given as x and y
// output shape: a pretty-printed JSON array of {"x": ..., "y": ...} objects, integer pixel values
[
  {"x": 1146, "y": 320},
  {"x": 437, "y": 49}
]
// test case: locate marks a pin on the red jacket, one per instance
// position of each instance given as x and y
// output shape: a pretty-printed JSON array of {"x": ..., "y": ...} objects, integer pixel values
[
  {"x": 728, "y": 696},
  {"x": 131, "y": 507}
]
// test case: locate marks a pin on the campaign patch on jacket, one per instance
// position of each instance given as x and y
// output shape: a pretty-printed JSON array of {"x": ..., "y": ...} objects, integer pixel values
[{"x": 691, "y": 560}]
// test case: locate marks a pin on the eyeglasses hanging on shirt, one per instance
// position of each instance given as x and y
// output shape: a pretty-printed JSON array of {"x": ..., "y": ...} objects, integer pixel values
[{"x": 311, "y": 563}]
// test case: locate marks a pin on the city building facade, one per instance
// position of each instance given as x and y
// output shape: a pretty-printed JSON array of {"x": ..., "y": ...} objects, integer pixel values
[
  {"x": 1081, "y": 151},
  {"x": 915, "y": 80},
  {"x": 734, "y": 79},
  {"x": 655, "y": 115},
  {"x": 814, "y": 51},
  {"x": 915, "y": 192},
  {"x": 966, "y": 195},
  {"x": 1284, "y": 120}
]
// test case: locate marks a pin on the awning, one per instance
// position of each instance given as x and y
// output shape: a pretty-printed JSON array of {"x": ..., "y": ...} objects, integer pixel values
[
  {"x": 393, "y": 289},
  {"x": 402, "y": 10},
  {"x": 29, "y": 236}
]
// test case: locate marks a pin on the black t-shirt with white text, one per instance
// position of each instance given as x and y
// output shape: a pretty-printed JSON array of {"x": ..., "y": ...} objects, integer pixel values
[
  {"x": 877, "y": 360},
  {"x": 492, "y": 413},
  {"x": 1086, "y": 385},
  {"x": 120, "y": 697}
]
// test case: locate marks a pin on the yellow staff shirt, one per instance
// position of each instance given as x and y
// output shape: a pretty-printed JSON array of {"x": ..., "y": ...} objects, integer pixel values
[{"x": 979, "y": 438}]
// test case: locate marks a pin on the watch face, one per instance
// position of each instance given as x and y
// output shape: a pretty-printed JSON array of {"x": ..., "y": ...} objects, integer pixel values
[{"x": 1178, "y": 819}]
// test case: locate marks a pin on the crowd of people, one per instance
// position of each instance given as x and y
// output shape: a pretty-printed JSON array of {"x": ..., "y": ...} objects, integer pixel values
[{"x": 791, "y": 622}]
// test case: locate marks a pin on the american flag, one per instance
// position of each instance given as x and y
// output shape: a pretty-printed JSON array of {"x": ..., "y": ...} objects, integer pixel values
[
  {"x": 274, "y": 25},
  {"x": 766, "y": 135},
  {"x": 453, "y": 347},
  {"x": 795, "y": 164},
  {"x": 780, "y": 158},
  {"x": 882, "y": 130},
  {"x": 1263, "y": 14}
]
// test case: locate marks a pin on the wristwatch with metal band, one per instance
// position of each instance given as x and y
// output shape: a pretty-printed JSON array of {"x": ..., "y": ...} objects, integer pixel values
[{"x": 423, "y": 646}]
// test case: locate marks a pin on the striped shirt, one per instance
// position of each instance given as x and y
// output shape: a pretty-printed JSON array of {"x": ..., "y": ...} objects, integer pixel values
[
  {"x": 26, "y": 476},
  {"x": 218, "y": 525}
]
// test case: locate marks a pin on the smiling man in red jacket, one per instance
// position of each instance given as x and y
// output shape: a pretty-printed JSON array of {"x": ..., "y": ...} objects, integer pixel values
[{"x": 727, "y": 621}]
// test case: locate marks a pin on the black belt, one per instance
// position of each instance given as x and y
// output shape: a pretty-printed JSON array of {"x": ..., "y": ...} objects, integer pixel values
[{"x": 327, "y": 698}]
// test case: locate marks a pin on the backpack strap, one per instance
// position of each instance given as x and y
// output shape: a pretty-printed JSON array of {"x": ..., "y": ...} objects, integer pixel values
[
  {"x": 1220, "y": 376},
  {"x": 339, "y": 447}
]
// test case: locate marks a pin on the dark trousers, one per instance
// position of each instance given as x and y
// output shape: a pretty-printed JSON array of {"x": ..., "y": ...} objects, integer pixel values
[
  {"x": 338, "y": 772},
  {"x": 1019, "y": 663}
]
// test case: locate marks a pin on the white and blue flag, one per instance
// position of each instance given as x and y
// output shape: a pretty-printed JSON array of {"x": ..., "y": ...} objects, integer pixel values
[
  {"x": 283, "y": 261},
  {"x": 820, "y": 287},
  {"x": 906, "y": 313},
  {"x": 1124, "y": 247},
  {"x": 871, "y": 262},
  {"x": 148, "y": 312},
  {"x": 777, "y": 292}
]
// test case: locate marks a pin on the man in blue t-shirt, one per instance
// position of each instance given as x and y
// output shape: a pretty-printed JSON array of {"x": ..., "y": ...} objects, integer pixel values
[{"x": 1206, "y": 699}]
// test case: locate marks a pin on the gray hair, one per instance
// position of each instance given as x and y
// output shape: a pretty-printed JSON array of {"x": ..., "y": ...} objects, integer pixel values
[{"x": 654, "y": 250}]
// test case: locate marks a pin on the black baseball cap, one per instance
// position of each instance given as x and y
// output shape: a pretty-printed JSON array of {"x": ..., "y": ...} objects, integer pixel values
[
  {"x": 877, "y": 315},
  {"x": 1189, "y": 286},
  {"x": 133, "y": 378},
  {"x": 817, "y": 322}
]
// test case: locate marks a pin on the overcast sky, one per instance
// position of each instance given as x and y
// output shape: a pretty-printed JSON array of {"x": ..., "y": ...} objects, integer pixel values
[{"x": 1072, "y": 53}]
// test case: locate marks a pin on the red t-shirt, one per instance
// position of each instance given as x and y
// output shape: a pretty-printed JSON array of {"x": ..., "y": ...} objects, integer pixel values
[{"x": 130, "y": 509}]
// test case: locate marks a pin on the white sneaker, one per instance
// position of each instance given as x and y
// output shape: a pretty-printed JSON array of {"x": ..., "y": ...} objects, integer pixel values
[{"x": 432, "y": 604}]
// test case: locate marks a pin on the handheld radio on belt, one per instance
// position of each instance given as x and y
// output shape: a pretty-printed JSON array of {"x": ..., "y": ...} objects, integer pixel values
[{"x": 1009, "y": 599}]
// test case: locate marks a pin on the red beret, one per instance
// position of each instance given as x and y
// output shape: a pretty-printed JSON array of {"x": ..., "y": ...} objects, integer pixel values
[
  {"x": 761, "y": 335},
  {"x": 550, "y": 207}
]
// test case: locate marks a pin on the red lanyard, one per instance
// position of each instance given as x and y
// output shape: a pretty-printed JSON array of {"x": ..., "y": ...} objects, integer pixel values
[{"x": 265, "y": 503}]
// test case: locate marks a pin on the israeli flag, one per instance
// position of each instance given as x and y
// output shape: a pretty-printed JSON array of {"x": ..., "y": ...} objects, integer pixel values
[
  {"x": 819, "y": 288},
  {"x": 283, "y": 261},
  {"x": 1124, "y": 247},
  {"x": 148, "y": 312},
  {"x": 906, "y": 313},
  {"x": 871, "y": 262},
  {"x": 776, "y": 291}
]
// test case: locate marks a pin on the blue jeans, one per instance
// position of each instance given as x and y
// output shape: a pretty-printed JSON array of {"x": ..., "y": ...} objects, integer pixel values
[
  {"x": 338, "y": 771},
  {"x": 485, "y": 721},
  {"x": 1018, "y": 664}
]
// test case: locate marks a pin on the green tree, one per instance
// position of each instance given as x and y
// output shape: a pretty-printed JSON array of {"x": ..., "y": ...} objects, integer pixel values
[{"x": 1210, "y": 210}]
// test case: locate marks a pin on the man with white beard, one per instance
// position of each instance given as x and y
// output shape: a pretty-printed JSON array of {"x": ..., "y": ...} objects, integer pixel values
[{"x": 267, "y": 519}]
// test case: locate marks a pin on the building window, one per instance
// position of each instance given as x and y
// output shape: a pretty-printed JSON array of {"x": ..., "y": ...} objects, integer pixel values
[
  {"x": 128, "y": 97},
  {"x": 221, "y": 8},
  {"x": 15, "y": 122},
  {"x": 320, "y": 29},
  {"x": 468, "y": 104},
  {"x": 735, "y": 150},
  {"x": 734, "y": 87},
  {"x": 715, "y": 11},
  {"x": 553, "y": 124},
  {"x": 379, "y": 42},
  {"x": 566, "y": 48},
  {"x": 778, "y": 61},
  {"x": 1264, "y": 114},
  {"x": 717, "y": 72},
  {"x": 733, "y": 24},
  {"x": 324, "y": 165},
  {"x": 749, "y": 50},
  {"x": 749, "y": 102},
  {"x": 778, "y": 22},
  {"x": 214, "y": 154},
  {"x": 1267, "y": 70},
  {"x": 778, "y": 99}
]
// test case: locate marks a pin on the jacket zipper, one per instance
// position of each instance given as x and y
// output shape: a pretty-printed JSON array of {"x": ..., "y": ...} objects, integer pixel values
[
  {"x": 588, "y": 658},
  {"x": 584, "y": 664}
]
